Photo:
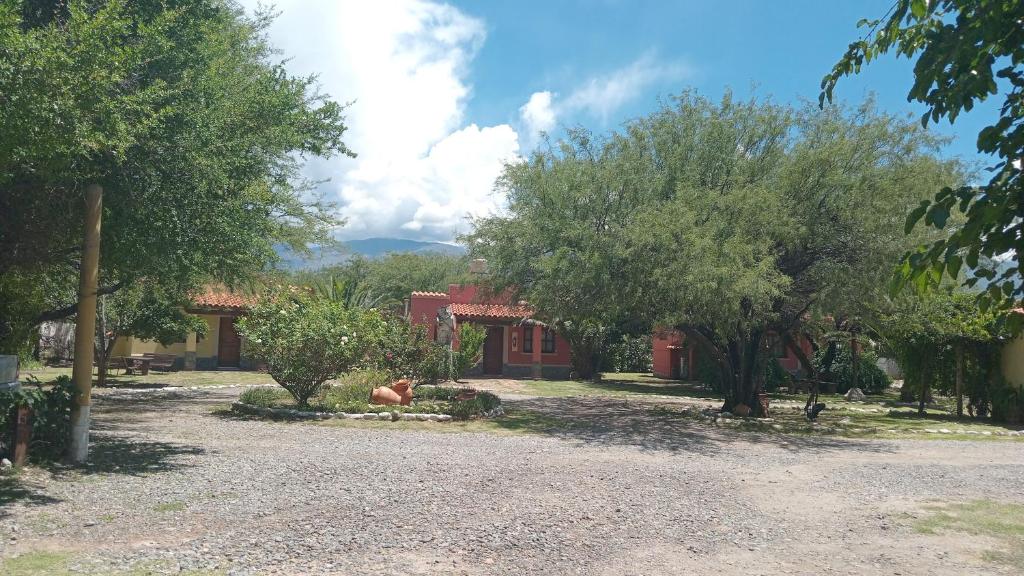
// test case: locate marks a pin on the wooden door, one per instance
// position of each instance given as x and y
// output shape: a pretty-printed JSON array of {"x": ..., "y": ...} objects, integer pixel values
[
  {"x": 229, "y": 344},
  {"x": 494, "y": 347}
]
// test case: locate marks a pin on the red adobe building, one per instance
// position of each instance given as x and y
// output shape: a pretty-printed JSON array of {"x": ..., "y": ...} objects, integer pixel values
[
  {"x": 516, "y": 346},
  {"x": 677, "y": 359}
]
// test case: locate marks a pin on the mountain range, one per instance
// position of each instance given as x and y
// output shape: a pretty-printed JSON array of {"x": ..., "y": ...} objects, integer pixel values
[{"x": 368, "y": 247}]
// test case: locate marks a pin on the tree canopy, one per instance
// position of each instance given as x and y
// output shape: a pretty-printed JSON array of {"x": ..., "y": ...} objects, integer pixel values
[
  {"x": 185, "y": 116},
  {"x": 967, "y": 51},
  {"x": 726, "y": 220}
]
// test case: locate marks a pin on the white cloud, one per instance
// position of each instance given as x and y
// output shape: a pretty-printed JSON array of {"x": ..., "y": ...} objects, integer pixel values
[
  {"x": 603, "y": 95},
  {"x": 404, "y": 65},
  {"x": 598, "y": 97},
  {"x": 537, "y": 114}
]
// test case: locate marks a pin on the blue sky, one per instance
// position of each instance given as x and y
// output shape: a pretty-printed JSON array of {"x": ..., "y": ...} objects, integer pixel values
[
  {"x": 443, "y": 94},
  {"x": 777, "y": 49}
]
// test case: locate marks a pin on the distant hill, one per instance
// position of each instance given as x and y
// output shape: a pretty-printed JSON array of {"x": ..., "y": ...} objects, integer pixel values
[
  {"x": 368, "y": 247},
  {"x": 373, "y": 247}
]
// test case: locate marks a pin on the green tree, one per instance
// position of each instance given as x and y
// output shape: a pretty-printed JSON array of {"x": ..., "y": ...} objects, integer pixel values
[
  {"x": 944, "y": 342},
  {"x": 306, "y": 341},
  {"x": 184, "y": 114},
  {"x": 560, "y": 247},
  {"x": 143, "y": 310},
  {"x": 728, "y": 221},
  {"x": 967, "y": 51}
]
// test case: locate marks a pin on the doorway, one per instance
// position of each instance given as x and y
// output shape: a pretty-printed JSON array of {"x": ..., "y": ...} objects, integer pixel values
[
  {"x": 229, "y": 343},
  {"x": 494, "y": 347}
]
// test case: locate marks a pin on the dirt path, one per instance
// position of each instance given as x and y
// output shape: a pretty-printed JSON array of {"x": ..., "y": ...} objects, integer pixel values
[{"x": 177, "y": 485}]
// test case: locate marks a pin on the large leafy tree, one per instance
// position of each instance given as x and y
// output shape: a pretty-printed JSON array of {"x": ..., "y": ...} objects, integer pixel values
[
  {"x": 560, "y": 247},
  {"x": 967, "y": 51},
  {"x": 183, "y": 113},
  {"x": 774, "y": 216},
  {"x": 726, "y": 220}
]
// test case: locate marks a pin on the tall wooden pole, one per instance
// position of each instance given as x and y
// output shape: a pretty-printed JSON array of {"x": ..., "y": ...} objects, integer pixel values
[{"x": 85, "y": 327}]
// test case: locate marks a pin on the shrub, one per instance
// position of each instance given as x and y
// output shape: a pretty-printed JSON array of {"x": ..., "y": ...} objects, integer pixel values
[
  {"x": 471, "y": 345},
  {"x": 872, "y": 379},
  {"x": 51, "y": 417},
  {"x": 404, "y": 350},
  {"x": 460, "y": 409},
  {"x": 630, "y": 354},
  {"x": 436, "y": 366},
  {"x": 1008, "y": 404},
  {"x": 305, "y": 342},
  {"x": 263, "y": 397},
  {"x": 352, "y": 392}
]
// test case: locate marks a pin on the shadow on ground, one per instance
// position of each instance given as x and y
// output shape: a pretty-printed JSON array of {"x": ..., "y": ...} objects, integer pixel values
[
  {"x": 605, "y": 421},
  {"x": 14, "y": 490}
]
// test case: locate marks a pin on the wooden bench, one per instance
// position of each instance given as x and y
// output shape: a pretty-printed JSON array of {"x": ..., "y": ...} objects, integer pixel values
[{"x": 164, "y": 362}]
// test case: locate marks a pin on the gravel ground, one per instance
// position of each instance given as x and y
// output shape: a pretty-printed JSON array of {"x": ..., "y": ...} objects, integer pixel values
[{"x": 177, "y": 486}]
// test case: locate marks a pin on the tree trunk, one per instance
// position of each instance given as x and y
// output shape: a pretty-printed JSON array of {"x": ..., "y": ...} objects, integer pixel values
[
  {"x": 925, "y": 384},
  {"x": 102, "y": 356},
  {"x": 826, "y": 362},
  {"x": 854, "y": 363},
  {"x": 959, "y": 381}
]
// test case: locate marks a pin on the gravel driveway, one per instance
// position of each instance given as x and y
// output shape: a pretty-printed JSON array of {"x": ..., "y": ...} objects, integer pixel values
[{"x": 176, "y": 485}]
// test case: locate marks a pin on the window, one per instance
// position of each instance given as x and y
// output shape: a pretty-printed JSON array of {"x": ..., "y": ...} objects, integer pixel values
[
  {"x": 547, "y": 342},
  {"x": 528, "y": 339}
]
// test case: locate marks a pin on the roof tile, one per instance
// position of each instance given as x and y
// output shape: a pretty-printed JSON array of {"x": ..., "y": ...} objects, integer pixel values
[
  {"x": 512, "y": 311},
  {"x": 222, "y": 298}
]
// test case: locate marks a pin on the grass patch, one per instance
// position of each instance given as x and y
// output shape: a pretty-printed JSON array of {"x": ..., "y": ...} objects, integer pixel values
[
  {"x": 175, "y": 506},
  {"x": 1002, "y": 522},
  {"x": 36, "y": 563},
  {"x": 154, "y": 379}
]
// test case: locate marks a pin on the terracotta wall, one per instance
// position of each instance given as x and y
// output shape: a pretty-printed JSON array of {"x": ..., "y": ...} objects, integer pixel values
[
  {"x": 662, "y": 355},
  {"x": 561, "y": 357},
  {"x": 423, "y": 310}
]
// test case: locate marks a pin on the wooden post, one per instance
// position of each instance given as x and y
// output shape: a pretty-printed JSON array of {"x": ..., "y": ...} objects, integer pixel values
[
  {"x": 959, "y": 380},
  {"x": 22, "y": 434},
  {"x": 85, "y": 327}
]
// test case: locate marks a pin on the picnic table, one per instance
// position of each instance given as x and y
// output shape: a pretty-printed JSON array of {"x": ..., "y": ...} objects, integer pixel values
[{"x": 137, "y": 365}]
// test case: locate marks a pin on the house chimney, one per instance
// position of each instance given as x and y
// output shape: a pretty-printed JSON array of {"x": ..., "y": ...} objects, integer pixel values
[{"x": 478, "y": 266}]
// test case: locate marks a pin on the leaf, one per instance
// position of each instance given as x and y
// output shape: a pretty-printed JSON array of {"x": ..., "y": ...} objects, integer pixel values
[
  {"x": 918, "y": 8},
  {"x": 953, "y": 264},
  {"x": 914, "y": 216},
  {"x": 937, "y": 215}
]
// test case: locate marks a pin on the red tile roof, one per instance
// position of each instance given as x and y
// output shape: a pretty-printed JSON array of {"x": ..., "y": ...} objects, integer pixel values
[
  {"x": 222, "y": 298},
  {"x": 512, "y": 311},
  {"x": 430, "y": 294}
]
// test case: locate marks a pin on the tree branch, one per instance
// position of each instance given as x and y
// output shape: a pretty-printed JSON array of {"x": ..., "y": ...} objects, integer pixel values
[{"x": 70, "y": 309}]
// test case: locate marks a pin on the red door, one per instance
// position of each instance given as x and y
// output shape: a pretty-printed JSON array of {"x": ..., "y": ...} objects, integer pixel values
[
  {"x": 494, "y": 345},
  {"x": 229, "y": 344}
]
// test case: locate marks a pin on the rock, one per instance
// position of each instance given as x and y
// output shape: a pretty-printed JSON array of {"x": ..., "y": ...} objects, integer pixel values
[
  {"x": 5, "y": 464},
  {"x": 855, "y": 395}
]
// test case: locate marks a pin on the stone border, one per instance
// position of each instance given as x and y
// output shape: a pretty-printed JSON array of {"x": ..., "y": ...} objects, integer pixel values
[{"x": 393, "y": 416}]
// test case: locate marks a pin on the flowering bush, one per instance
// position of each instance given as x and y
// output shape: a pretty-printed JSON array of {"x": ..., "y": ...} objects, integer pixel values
[
  {"x": 305, "y": 342},
  {"x": 405, "y": 350}
]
